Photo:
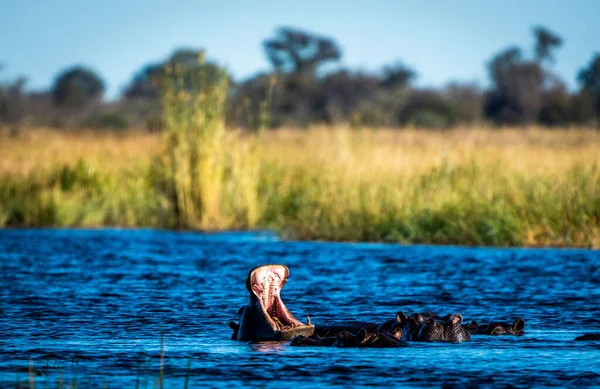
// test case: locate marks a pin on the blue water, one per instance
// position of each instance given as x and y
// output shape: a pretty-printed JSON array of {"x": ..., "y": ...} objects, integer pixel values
[{"x": 89, "y": 309}]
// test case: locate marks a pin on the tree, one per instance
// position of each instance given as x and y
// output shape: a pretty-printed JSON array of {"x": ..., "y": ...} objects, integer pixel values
[
  {"x": 589, "y": 79},
  {"x": 397, "y": 75},
  {"x": 296, "y": 55},
  {"x": 502, "y": 65},
  {"x": 76, "y": 87},
  {"x": 524, "y": 91},
  {"x": 343, "y": 91},
  {"x": 297, "y": 51},
  {"x": 556, "y": 106},
  {"x": 583, "y": 109},
  {"x": 545, "y": 42},
  {"x": 466, "y": 101},
  {"x": 12, "y": 100},
  {"x": 428, "y": 109},
  {"x": 249, "y": 102},
  {"x": 146, "y": 82},
  {"x": 517, "y": 85}
]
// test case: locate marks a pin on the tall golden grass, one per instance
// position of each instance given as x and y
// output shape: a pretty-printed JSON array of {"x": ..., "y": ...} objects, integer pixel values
[{"x": 525, "y": 186}]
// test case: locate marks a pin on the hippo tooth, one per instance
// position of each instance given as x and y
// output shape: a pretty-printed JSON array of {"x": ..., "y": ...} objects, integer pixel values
[{"x": 266, "y": 288}]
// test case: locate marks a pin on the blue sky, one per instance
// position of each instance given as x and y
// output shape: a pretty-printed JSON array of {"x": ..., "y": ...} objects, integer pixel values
[{"x": 442, "y": 40}]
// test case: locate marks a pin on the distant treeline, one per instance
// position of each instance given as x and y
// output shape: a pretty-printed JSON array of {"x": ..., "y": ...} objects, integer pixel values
[{"x": 297, "y": 91}]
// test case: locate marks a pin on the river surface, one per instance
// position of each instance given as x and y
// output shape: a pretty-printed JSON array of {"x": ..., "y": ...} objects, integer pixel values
[{"x": 91, "y": 309}]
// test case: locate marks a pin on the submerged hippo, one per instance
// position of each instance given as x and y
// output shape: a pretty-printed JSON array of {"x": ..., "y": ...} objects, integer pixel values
[
  {"x": 266, "y": 317},
  {"x": 588, "y": 337},
  {"x": 374, "y": 339},
  {"x": 313, "y": 340},
  {"x": 496, "y": 328},
  {"x": 332, "y": 329}
]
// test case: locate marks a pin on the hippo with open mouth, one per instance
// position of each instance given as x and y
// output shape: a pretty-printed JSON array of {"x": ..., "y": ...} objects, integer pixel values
[{"x": 266, "y": 317}]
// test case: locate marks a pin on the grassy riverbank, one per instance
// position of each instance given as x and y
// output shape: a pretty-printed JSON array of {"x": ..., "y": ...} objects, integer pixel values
[{"x": 465, "y": 186}]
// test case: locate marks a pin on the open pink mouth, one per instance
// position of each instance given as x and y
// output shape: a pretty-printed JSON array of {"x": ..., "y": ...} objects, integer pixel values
[{"x": 265, "y": 282}]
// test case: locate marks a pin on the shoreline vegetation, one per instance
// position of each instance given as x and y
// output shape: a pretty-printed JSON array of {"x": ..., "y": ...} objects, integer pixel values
[
  {"x": 470, "y": 186},
  {"x": 465, "y": 186}
]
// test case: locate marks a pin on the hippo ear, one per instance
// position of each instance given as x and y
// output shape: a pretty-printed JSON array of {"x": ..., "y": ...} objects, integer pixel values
[
  {"x": 418, "y": 317},
  {"x": 519, "y": 324},
  {"x": 401, "y": 317},
  {"x": 362, "y": 335},
  {"x": 234, "y": 326},
  {"x": 430, "y": 321}
]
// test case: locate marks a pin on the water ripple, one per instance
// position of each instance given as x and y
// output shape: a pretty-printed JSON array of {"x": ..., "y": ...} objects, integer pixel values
[{"x": 91, "y": 308}]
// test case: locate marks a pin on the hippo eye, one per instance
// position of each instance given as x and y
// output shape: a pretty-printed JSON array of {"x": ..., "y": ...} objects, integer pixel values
[{"x": 497, "y": 331}]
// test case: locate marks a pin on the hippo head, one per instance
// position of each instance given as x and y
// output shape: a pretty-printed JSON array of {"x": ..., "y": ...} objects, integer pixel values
[
  {"x": 453, "y": 331},
  {"x": 346, "y": 339},
  {"x": 313, "y": 340},
  {"x": 379, "y": 339},
  {"x": 394, "y": 326},
  {"x": 448, "y": 329},
  {"x": 410, "y": 324},
  {"x": 431, "y": 331},
  {"x": 506, "y": 328},
  {"x": 472, "y": 327},
  {"x": 266, "y": 317}
]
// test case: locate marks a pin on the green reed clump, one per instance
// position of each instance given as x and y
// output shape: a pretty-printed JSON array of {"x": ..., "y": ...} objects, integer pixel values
[
  {"x": 208, "y": 175},
  {"x": 192, "y": 171}
]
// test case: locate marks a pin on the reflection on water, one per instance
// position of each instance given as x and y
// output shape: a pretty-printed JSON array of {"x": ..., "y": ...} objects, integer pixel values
[
  {"x": 89, "y": 308},
  {"x": 268, "y": 347}
]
